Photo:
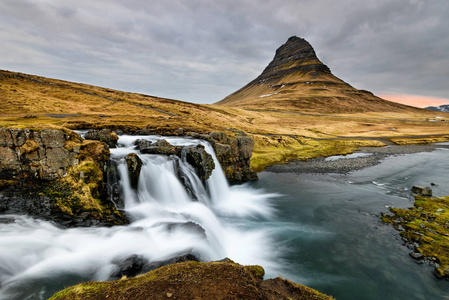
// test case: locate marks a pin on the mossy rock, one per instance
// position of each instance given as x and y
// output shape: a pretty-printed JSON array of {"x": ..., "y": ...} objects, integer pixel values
[{"x": 194, "y": 280}]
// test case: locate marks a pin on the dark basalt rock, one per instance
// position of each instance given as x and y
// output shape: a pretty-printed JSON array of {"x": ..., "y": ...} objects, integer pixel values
[
  {"x": 200, "y": 160},
  {"x": 160, "y": 147},
  {"x": 135, "y": 265},
  {"x": 129, "y": 267},
  {"x": 103, "y": 135},
  {"x": 134, "y": 166},
  {"x": 234, "y": 154},
  {"x": 422, "y": 191},
  {"x": 143, "y": 144}
]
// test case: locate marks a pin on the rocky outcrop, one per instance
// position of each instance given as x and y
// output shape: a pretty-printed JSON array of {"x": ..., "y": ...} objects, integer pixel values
[
  {"x": 422, "y": 190},
  {"x": 195, "y": 280},
  {"x": 196, "y": 156},
  {"x": 161, "y": 147},
  {"x": 200, "y": 160},
  {"x": 233, "y": 153},
  {"x": 45, "y": 154},
  {"x": 103, "y": 135},
  {"x": 55, "y": 175},
  {"x": 134, "y": 164},
  {"x": 135, "y": 265}
]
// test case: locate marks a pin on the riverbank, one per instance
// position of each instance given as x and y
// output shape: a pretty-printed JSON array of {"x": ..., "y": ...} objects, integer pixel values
[{"x": 366, "y": 157}]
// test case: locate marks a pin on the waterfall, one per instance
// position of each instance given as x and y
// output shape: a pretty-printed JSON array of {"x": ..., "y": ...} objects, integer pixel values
[{"x": 210, "y": 221}]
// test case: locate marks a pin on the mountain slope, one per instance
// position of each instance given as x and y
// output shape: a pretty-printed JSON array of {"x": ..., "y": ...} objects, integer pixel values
[{"x": 296, "y": 80}]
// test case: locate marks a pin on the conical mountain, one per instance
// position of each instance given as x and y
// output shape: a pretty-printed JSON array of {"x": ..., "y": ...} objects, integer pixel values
[{"x": 296, "y": 80}]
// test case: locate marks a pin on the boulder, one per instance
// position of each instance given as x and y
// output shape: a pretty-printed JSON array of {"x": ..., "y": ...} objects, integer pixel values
[
  {"x": 134, "y": 166},
  {"x": 131, "y": 266},
  {"x": 422, "y": 191},
  {"x": 142, "y": 144},
  {"x": 234, "y": 154},
  {"x": 161, "y": 147},
  {"x": 103, "y": 135},
  {"x": 134, "y": 265},
  {"x": 200, "y": 160}
]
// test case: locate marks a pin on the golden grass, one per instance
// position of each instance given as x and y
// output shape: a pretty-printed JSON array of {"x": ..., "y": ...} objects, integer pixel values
[{"x": 37, "y": 102}]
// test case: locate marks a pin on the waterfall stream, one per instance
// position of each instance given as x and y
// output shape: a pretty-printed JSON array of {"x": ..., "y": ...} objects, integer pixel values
[{"x": 212, "y": 221}]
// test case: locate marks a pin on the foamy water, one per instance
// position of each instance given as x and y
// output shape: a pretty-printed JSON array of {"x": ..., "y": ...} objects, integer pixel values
[{"x": 37, "y": 258}]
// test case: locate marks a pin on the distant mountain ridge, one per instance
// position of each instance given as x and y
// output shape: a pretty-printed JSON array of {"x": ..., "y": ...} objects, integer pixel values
[
  {"x": 442, "y": 108},
  {"x": 296, "y": 80}
]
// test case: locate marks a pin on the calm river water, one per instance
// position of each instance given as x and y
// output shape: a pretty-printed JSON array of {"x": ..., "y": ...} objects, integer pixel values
[{"x": 329, "y": 233}]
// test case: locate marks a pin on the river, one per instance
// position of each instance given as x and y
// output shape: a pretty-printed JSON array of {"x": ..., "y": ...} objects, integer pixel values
[{"x": 319, "y": 230}]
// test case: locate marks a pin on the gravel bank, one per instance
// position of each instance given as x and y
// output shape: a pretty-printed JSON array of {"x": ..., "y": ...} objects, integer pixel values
[{"x": 366, "y": 157}]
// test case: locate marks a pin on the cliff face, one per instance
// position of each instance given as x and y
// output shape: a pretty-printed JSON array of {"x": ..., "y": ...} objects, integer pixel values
[
  {"x": 39, "y": 155},
  {"x": 55, "y": 175},
  {"x": 233, "y": 153},
  {"x": 296, "y": 80}
]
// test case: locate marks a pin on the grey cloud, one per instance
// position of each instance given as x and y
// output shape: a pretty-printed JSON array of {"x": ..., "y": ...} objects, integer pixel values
[{"x": 202, "y": 50}]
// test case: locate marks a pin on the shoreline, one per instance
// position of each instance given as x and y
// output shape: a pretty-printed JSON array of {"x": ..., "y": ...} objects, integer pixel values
[{"x": 366, "y": 157}]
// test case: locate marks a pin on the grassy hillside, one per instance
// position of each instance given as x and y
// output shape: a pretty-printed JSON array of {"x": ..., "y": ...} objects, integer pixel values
[{"x": 33, "y": 101}]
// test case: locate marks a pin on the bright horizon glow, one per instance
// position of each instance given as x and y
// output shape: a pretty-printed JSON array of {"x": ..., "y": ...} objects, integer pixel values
[{"x": 415, "y": 100}]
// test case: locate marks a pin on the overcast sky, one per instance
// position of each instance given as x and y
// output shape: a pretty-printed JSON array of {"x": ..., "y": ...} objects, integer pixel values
[{"x": 202, "y": 50}]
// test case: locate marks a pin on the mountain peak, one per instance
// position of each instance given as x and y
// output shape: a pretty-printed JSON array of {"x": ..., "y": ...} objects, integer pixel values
[
  {"x": 295, "y": 55},
  {"x": 296, "y": 80}
]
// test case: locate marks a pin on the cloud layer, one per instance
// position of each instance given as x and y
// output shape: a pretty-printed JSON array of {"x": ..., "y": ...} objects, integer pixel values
[{"x": 201, "y": 51}]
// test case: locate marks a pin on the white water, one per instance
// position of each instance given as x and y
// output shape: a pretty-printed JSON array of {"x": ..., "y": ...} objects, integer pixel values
[{"x": 37, "y": 258}]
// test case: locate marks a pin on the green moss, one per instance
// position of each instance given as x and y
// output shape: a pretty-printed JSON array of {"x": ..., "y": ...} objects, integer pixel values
[
  {"x": 257, "y": 271},
  {"x": 80, "y": 191},
  {"x": 279, "y": 149},
  {"x": 194, "y": 280},
  {"x": 427, "y": 223}
]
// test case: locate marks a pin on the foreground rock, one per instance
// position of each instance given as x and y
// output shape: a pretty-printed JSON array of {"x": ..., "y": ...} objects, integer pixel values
[
  {"x": 55, "y": 175},
  {"x": 194, "y": 280}
]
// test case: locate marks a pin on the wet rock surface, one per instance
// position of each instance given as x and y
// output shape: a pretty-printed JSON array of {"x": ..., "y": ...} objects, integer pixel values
[
  {"x": 134, "y": 166},
  {"x": 136, "y": 264},
  {"x": 200, "y": 160},
  {"x": 233, "y": 153},
  {"x": 422, "y": 190},
  {"x": 103, "y": 135}
]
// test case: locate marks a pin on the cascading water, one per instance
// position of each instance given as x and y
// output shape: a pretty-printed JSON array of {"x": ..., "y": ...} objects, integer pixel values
[{"x": 37, "y": 258}]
